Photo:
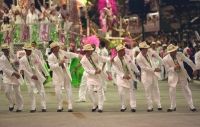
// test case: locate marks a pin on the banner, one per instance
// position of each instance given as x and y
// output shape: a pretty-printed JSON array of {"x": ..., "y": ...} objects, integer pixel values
[
  {"x": 34, "y": 32},
  {"x": 25, "y": 33},
  {"x": 44, "y": 32},
  {"x": 17, "y": 33},
  {"x": 53, "y": 33}
]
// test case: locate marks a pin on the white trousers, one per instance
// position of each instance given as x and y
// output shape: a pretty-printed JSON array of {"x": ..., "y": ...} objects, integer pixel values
[
  {"x": 59, "y": 96},
  {"x": 96, "y": 95},
  {"x": 83, "y": 88},
  {"x": 152, "y": 93},
  {"x": 125, "y": 94},
  {"x": 39, "y": 86},
  {"x": 14, "y": 96},
  {"x": 186, "y": 92}
]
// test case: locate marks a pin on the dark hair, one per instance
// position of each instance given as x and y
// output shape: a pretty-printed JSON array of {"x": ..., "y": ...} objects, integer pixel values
[
  {"x": 6, "y": 20},
  {"x": 34, "y": 42}
]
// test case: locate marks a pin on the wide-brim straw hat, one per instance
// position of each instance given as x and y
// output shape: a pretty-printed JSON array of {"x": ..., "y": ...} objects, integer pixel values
[
  {"x": 27, "y": 47},
  {"x": 143, "y": 45},
  {"x": 172, "y": 48},
  {"x": 120, "y": 47},
  {"x": 54, "y": 44},
  {"x": 5, "y": 46},
  {"x": 88, "y": 47}
]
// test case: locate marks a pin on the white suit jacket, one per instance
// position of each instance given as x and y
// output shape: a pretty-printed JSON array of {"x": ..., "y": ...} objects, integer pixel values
[
  {"x": 92, "y": 78},
  {"x": 8, "y": 70},
  {"x": 30, "y": 71},
  {"x": 170, "y": 65},
  {"x": 59, "y": 74},
  {"x": 147, "y": 69},
  {"x": 118, "y": 68},
  {"x": 40, "y": 55},
  {"x": 197, "y": 60}
]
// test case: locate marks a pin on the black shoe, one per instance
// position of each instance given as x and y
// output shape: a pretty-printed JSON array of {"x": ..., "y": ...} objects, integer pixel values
[
  {"x": 18, "y": 110},
  {"x": 59, "y": 110},
  {"x": 44, "y": 110},
  {"x": 171, "y": 110},
  {"x": 100, "y": 111},
  {"x": 150, "y": 110},
  {"x": 133, "y": 110},
  {"x": 94, "y": 109},
  {"x": 123, "y": 110},
  {"x": 11, "y": 109},
  {"x": 32, "y": 111},
  {"x": 70, "y": 110},
  {"x": 193, "y": 110},
  {"x": 159, "y": 109}
]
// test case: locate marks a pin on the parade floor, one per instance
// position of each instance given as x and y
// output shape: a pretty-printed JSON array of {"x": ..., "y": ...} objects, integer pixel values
[{"x": 111, "y": 117}]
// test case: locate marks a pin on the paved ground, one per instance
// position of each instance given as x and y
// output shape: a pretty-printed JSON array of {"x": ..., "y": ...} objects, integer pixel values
[{"x": 111, "y": 117}]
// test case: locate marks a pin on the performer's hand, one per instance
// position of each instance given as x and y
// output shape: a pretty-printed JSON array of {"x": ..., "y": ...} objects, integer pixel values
[
  {"x": 34, "y": 77},
  {"x": 112, "y": 60},
  {"x": 16, "y": 75},
  {"x": 195, "y": 73},
  {"x": 22, "y": 72},
  {"x": 98, "y": 71},
  {"x": 177, "y": 68},
  {"x": 157, "y": 70},
  {"x": 126, "y": 77}
]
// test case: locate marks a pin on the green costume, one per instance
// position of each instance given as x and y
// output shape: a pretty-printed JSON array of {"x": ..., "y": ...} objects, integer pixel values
[{"x": 76, "y": 72}]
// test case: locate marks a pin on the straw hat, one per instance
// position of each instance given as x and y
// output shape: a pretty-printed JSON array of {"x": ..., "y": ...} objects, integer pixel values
[
  {"x": 171, "y": 48},
  {"x": 144, "y": 45},
  {"x": 158, "y": 42},
  {"x": 164, "y": 45},
  {"x": 153, "y": 43},
  {"x": 120, "y": 47},
  {"x": 54, "y": 44},
  {"x": 88, "y": 47},
  {"x": 27, "y": 47},
  {"x": 5, "y": 46}
]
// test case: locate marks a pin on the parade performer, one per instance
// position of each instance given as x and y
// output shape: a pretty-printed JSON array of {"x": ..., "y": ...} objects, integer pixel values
[
  {"x": 125, "y": 68},
  {"x": 11, "y": 79},
  {"x": 177, "y": 74}
]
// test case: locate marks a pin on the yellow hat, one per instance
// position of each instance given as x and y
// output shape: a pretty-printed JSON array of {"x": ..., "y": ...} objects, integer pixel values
[
  {"x": 88, "y": 47},
  {"x": 5, "y": 46},
  {"x": 144, "y": 45},
  {"x": 54, "y": 44},
  {"x": 27, "y": 46},
  {"x": 120, "y": 47},
  {"x": 171, "y": 48}
]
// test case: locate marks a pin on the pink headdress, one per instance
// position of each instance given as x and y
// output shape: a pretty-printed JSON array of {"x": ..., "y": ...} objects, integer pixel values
[
  {"x": 107, "y": 3},
  {"x": 91, "y": 40}
]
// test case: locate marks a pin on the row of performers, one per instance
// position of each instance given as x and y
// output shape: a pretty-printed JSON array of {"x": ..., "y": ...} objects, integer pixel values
[{"x": 121, "y": 69}]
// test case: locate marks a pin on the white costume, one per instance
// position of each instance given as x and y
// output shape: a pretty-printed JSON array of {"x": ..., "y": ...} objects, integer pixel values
[
  {"x": 31, "y": 65},
  {"x": 11, "y": 82},
  {"x": 178, "y": 77},
  {"x": 61, "y": 77},
  {"x": 197, "y": 60},
  {"x": 149, "y": 78},
  {"x": 125, "y": 67},
  {"x": 94, "y": 81}
]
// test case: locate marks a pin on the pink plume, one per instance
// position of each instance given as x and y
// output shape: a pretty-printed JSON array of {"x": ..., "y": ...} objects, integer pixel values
[
  {"x": 91, "y": 40},
  {"x": 102, "y": 4}
]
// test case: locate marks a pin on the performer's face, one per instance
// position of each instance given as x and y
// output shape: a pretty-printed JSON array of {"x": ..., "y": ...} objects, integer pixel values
[
  {"x": 173, "y": 53},
  {"x": 144, "y": 51},
  {"x": 55, "y": 49},
  {"x": 88, "y": 53},
  {"x": 121, "y": 53},
  {"x": 28, "y": 52},
  {"x": 6, "y": 52}
]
